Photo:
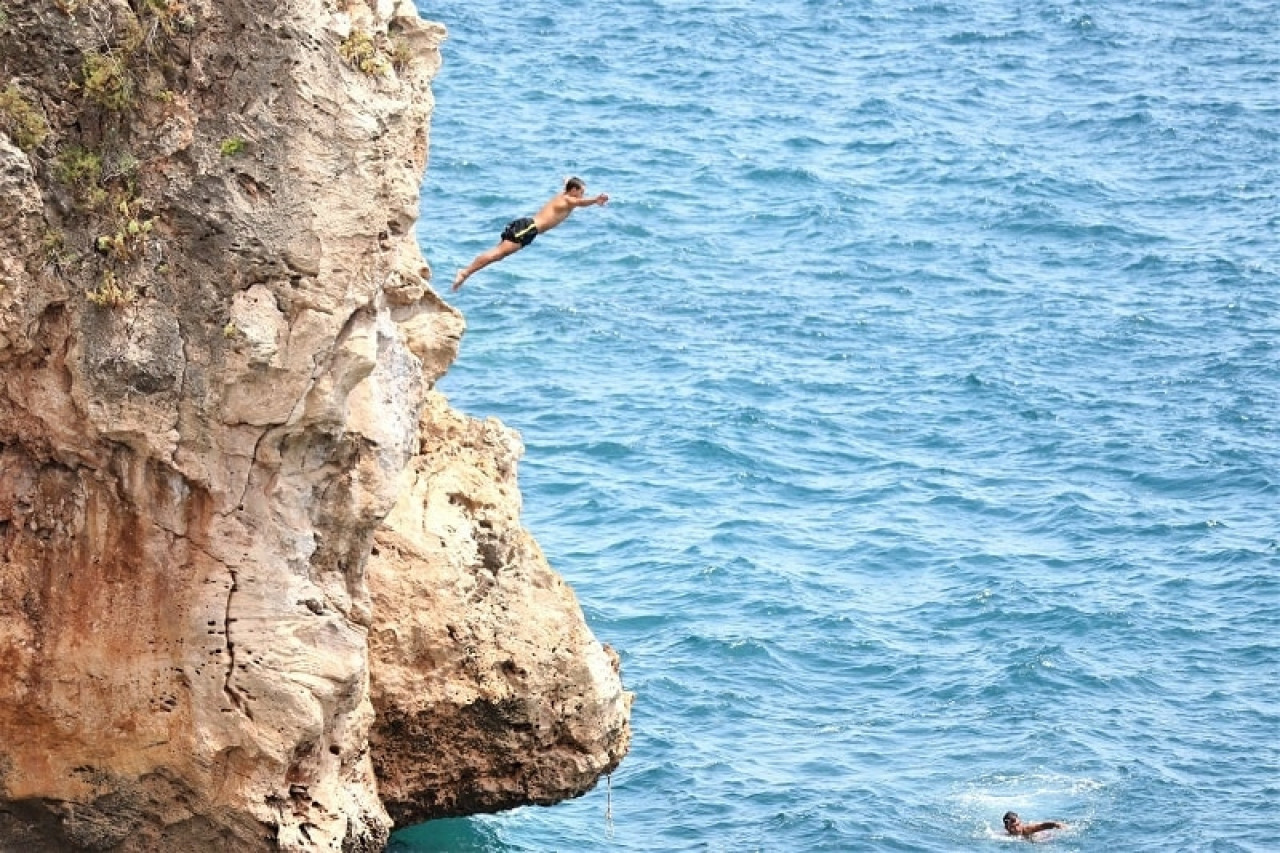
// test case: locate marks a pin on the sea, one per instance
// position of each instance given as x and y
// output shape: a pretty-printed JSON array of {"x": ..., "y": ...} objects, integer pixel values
[{"x": 909, "y": 418}]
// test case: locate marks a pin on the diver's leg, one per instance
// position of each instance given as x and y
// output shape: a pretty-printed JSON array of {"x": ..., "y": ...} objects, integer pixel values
[{"x": 497, "y": 253}]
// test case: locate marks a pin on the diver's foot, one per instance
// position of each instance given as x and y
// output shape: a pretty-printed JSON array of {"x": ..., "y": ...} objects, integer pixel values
[{"x": 459, "y": 279}]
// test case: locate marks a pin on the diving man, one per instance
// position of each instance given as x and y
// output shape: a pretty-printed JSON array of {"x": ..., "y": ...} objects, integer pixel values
[{"x": 521, "y": 232}]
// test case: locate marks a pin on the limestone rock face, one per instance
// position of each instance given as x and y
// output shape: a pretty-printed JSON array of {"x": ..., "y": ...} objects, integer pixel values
[
  {"x": 217, "y": 349},
  {"x": 527, "y": 706}
]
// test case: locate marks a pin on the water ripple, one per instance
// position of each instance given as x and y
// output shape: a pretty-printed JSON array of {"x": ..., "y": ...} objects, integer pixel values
[{"x": 906, "y": 420}]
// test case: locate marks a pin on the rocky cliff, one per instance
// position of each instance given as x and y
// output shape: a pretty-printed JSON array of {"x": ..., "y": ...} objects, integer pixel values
[{"x": 260, "y": 587}]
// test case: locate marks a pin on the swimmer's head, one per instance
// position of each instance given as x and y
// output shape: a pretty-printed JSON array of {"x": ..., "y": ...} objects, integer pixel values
[{"x": 1010, "y": 819}]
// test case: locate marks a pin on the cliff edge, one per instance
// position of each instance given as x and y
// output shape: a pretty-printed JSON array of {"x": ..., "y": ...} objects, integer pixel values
[{"x": 260, "y": 587}]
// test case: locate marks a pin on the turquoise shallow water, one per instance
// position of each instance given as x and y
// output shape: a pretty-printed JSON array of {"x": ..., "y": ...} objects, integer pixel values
[{"x": 908, "y": 420}]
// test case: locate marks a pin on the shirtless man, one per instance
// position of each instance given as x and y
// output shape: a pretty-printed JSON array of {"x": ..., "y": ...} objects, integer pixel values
[
  {"x": 520, "y": 232},
  {"x": 1014, "y": 826}
]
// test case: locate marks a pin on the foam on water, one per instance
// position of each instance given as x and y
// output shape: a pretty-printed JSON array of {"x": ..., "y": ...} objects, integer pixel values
[{"x": 907, "y": 420}]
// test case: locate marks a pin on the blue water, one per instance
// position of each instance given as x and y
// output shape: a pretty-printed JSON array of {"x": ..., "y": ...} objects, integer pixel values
[{"x": 907, "y": 420}]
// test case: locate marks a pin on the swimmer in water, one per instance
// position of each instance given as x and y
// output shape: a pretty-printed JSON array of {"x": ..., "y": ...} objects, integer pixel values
[{"x": 1013, "y": 825}]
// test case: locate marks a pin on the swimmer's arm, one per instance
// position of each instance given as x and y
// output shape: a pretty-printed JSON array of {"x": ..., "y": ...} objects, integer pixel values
[
  {"x": 1041, "y": 827},
  {"x": 587, "y": 202}
]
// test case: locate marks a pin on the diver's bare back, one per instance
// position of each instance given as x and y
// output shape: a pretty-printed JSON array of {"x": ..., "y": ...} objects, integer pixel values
[{"x": 557, "y": 210}]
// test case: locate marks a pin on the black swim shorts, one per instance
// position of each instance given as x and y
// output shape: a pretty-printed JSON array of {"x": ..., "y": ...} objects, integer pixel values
[{"x": 520, "y": 231}]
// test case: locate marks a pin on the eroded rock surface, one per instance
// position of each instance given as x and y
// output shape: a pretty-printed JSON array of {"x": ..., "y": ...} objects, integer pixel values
[
  {"x": 527, "y": 706},
  {"x": 217, "y": 348}
]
